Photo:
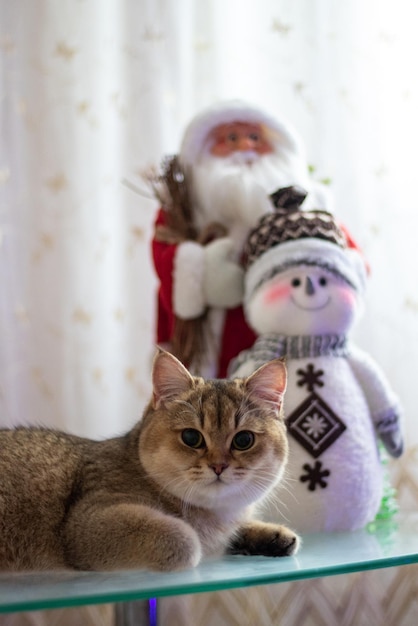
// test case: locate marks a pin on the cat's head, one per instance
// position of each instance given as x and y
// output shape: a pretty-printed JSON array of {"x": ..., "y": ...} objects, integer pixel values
[{"x": 219, "y": 444}]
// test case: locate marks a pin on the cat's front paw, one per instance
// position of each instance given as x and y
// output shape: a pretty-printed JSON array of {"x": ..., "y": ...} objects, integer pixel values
[
  {"x": 265, "y": 539},
  {"x": 179, "y": 547}
]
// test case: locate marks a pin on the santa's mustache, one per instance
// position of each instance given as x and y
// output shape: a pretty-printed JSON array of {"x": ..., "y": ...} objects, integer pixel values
[{"x": 242, "y": 157}]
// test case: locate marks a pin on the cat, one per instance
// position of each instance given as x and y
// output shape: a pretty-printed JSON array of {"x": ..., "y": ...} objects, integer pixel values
[{"x": 179, "y": 486}]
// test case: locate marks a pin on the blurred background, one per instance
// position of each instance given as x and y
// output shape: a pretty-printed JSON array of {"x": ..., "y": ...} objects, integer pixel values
[{"x": 92, "y": 92}]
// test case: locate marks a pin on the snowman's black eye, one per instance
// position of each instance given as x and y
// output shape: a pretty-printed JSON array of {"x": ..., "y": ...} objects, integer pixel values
[
  {"x": 323, "y": 281},
  {"x": 296, "y": 282}
]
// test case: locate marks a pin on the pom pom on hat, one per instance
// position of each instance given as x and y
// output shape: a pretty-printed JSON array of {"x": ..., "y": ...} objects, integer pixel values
[{"x": 196, "y": 134}]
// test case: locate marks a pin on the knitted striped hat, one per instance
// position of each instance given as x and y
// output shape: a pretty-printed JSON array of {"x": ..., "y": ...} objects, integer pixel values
[{"x": 289, "y": 237}]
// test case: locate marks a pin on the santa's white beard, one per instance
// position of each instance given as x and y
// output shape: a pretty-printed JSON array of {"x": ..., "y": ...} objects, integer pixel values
[{"x": 235, "y": 190}]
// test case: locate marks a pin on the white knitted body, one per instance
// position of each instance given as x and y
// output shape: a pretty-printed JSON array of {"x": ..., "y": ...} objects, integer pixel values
[{"x": 353, "y": 489}]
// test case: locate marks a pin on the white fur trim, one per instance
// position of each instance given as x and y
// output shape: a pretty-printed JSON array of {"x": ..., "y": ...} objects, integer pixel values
[
  {"x": 213, "y": 334},
  {"x": 188, "y": 300},
  {"x": 348, "y": 263},
  {"x": 196, "y": 133}
]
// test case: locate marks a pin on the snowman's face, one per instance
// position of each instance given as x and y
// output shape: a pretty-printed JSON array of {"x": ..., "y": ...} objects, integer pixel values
[{"x": 303, "y": 300}]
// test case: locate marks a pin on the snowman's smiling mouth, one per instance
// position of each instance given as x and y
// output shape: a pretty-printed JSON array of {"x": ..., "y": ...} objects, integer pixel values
[{"x": 311, "y": 308}]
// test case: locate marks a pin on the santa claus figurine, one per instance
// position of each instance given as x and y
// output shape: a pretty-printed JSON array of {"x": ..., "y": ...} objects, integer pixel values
[{"x": 232, "y": 157}]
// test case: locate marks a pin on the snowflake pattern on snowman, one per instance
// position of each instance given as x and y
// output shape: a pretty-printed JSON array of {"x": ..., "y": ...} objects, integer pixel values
[
  {"x": 313, "y": 423},
  {"x": 304, "y": 291}
]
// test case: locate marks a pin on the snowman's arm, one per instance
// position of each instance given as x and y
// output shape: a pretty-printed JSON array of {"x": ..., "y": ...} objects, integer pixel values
[{"x": 383, "y": 403}]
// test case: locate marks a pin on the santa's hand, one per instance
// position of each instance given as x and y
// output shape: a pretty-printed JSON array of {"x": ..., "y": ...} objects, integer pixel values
[{"x": 223, "y": 278}]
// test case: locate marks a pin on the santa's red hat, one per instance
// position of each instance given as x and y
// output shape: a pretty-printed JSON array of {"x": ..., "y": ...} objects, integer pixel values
[{"x": 283, "y": 137}]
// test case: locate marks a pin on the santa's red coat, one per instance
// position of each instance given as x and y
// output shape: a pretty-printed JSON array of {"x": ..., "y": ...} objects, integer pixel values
[{"x": 236, "y": 334}]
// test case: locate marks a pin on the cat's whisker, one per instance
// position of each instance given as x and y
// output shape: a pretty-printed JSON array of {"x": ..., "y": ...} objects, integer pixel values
[
  {"x": 172, "y": 486},
  {"x": 274, "y": 505},
  {"x": 189, "y": 498},
  {"x": 276, "y": 509}
]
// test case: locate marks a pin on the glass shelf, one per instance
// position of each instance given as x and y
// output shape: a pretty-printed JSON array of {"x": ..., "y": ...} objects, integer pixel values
[{"x": 389, "y": 544}]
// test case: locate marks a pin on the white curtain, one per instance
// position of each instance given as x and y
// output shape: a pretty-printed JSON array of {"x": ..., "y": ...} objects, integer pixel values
[{"x": 94, "y": 91}]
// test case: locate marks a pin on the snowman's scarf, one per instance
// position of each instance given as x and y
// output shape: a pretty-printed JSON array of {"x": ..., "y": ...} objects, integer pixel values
[{"x": 274, "y": 345}]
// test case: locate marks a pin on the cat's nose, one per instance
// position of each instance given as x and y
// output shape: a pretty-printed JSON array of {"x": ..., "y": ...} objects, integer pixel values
[
  {"x": 309, "y": 288},
  {"x": 218, "y": 468}
]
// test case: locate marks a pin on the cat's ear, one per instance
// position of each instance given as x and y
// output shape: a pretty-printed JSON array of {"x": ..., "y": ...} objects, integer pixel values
[
  {"x": 169, "y": 378},
  {"x": 268, "y": 383}
]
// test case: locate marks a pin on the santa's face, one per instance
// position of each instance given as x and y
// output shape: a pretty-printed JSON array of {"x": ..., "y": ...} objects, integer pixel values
[
  {"x": 226, "y": 139},
  {"x": 232, "y": 179},
  {"x": 303, "y": 300}
]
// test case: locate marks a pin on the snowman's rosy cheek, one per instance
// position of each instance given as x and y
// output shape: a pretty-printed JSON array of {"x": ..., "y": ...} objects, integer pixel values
[
  {"x": 276, "y": 292},
  {"x": 347, "y": 295}
]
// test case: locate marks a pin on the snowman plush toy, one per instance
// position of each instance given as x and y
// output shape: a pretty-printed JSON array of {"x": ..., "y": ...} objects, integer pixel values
[{"x": 304, "y": 291}]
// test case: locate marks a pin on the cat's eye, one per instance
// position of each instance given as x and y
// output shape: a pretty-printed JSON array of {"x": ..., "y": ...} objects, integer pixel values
[
  {"x": 243, "y": 440},
  {"x": 192, "y": 438}
]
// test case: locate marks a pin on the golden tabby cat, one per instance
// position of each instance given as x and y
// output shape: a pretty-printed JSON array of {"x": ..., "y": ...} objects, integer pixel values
[{"x": 178, "y": 486}]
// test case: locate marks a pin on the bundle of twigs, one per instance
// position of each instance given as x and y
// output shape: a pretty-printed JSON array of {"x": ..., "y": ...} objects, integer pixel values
[{"x": 190, "y": 337}]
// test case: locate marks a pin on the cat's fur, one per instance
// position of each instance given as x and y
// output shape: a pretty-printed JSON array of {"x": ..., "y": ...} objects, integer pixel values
[{"x": 147, "y": 499}]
